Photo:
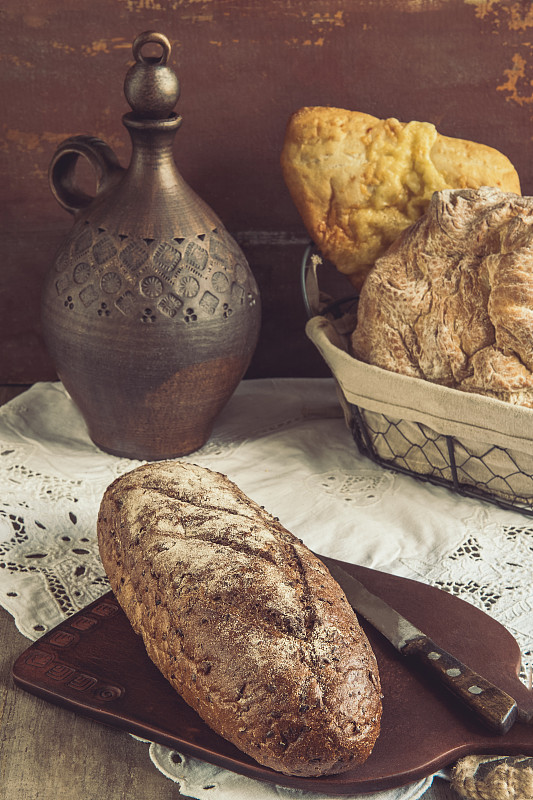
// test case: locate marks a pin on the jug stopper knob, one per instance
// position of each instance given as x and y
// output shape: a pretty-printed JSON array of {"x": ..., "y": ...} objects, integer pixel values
[{"x": 151, "y": 88}]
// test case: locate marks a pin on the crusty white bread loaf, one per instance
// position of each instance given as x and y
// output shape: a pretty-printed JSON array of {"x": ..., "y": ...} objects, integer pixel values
[
  {"x": 452, "y": 299},
  {"x": 358, "y": 181},
  {"x": 242, "y": 619}
]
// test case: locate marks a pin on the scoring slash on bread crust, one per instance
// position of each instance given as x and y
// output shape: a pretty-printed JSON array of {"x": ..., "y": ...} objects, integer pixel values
[
  {"x": 358, "y": 181},
  {"x": 241, "y": 618}
]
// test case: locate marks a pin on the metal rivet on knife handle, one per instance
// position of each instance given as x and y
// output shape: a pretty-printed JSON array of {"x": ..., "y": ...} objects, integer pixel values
[{"x": 494, "y": 707}]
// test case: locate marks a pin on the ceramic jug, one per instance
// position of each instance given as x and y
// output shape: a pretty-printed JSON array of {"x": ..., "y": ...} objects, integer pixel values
[{"x": 150, "y": 312}]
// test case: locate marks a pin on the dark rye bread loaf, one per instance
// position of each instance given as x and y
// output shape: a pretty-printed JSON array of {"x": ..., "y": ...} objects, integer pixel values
[{"x": 241, "y": 618}]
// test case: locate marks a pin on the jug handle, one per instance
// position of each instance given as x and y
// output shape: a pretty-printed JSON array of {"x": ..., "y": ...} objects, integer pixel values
[{"x": 61, "y": 174}]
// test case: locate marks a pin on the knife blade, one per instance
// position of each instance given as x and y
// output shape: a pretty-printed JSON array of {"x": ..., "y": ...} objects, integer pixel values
[{"x": 496, "y": 709}]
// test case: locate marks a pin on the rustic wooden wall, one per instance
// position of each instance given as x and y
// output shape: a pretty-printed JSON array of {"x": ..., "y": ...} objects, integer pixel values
[{"x": 466, "y": 65}]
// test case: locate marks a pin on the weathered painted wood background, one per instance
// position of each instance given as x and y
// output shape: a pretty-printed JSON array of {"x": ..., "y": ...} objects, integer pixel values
[{"x": 244, "y": 67}]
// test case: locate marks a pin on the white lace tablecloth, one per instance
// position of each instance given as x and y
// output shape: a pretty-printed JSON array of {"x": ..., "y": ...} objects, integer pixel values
[{"x": 285, "y": 443}]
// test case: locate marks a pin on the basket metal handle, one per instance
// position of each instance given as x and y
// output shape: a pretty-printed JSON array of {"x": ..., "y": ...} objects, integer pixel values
[
  {"x": 309, "y": 281},
  {"x": 311, "y": 261}
]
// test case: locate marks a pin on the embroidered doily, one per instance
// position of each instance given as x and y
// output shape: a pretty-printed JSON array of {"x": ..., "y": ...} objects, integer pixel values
[{"x": 285, "y": 443}]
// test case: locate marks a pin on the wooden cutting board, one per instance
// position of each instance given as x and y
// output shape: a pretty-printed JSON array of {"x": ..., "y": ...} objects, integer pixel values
[{"x": 95, "y": 665}]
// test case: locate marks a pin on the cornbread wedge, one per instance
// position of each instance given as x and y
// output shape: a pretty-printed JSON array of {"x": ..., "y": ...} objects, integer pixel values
[{"x": 358, "y": 181}]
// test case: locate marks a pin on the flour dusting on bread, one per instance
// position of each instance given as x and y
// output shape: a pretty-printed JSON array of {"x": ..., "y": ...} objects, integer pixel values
[
  {"x": 452, "y": 299},
  {"x": 242, "y": 619}
]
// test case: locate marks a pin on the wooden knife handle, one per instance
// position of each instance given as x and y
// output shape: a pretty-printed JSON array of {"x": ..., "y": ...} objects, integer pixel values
[{"x": 494, "y": 707}]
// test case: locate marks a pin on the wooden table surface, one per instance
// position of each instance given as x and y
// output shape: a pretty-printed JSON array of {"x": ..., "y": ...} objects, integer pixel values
[{"x": 49, "y": 753}]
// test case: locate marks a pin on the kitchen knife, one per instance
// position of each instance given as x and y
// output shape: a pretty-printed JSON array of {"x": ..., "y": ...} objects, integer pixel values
[{"x": 494, "y": 707}]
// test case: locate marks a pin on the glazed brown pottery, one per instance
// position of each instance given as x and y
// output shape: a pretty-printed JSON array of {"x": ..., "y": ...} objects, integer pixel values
[{"x": 150, "y": 313}]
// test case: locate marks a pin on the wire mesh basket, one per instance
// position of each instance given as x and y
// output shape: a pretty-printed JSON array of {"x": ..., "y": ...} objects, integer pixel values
[{"x": 469, "y": 467}]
